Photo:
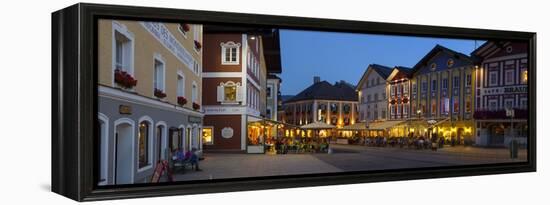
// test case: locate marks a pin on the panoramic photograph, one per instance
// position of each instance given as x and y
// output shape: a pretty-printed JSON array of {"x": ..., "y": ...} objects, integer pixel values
[{"x": 187, "y": 102}]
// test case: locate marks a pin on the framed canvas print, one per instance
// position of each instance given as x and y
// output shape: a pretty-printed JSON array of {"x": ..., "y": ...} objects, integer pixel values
[{"x": 156, "y": 102}]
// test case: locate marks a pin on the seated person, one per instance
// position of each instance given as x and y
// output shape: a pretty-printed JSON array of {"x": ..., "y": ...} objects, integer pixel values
[{"x": 193, "y": 158}]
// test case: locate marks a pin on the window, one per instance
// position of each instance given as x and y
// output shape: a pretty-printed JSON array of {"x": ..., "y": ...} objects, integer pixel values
[
  {"x": 456, "y": 82},
  {"x": 399, "y": 87},
  {"x": 468, "y": 104},
  {"x": 181, "y": 86},
  {"x": 143, "y": 143},
  {"x": 123, "y": 46},
  {"x": 405, "y": 110},
  {"x": 197, "y": 34},
  {"x": 434, "y": 85},
  {"x": 509, "y": 103},
  {"x": 434, "y": 107},
  {"x": 493, "y": 105},
  {"x": 383, "y": 113},
  {"x": 468, "y": 80},
  {"x": 268, "y": 113},
  {"x": 159, "y": 75},
  {"x": 424, "y": 86},
  {"x": 414, "y": 87},
  {"x": 523, "y": 103},
  {"x": 194, "y": 93},
  {"x": 524, "y": 74},
  {"x": 509, "y": 77},
  {"x": 368, "y": 98},
  {"x": 405, "y": 88},
  {"x": 196, "y": 67},
  {"x": 268, "y": 92},
  {"x": 493, "y": 78},
  {"x": 230, "y": 53},
  {"x": 375, "y": 96},
  {"x": 456, "y": 105},
  {"x": 230, "y": 92},
  {"x": 208, "y": 136},
  {"x": 445, "y": 106},
  {"x": 445, "y": 83}
]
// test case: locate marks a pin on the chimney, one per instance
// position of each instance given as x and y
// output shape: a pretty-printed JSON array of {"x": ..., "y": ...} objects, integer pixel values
[{"x": 316, "y": 79}]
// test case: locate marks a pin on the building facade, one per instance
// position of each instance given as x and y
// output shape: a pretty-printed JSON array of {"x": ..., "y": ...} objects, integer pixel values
[
  {"x": 234, "y": 83},
  {"x": 273, "y": 97},
  {"x": 501, "y": 84},
  {"x": 372, "y": 94},
  {"x": 323, "y": 102},
  {"x": 443, "y": 94},
  {"x": 149, "y": 96}
]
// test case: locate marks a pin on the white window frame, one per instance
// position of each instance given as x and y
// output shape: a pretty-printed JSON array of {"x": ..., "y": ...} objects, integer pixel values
[
  {"x": 180, "y": 91},
  {"x": 270, "y": 87},
  {"x": 122, "y": 30},
  {"x": 194, "y": 92},
  {"x": 105, "y": 141},
  {"x": 158, "y": 57},
  {"x": 491, "y": 73},
  {"x": 507, "y": 80},
  {"x": 491, "y": 101},
  {"x": 228, "y": 46},
  {"x": 239, "y": 88},
  {"x": 468, "y": 80},
  {"x": 196, "y": 36},
  {"x": 509, "y": 100}
]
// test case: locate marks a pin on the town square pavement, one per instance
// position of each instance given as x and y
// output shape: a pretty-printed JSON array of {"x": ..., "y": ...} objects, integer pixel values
[{"x": 344, "y": 158}]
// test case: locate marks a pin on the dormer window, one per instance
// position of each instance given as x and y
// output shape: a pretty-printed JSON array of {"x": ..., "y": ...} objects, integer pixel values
[
  {"x": 230, "y": 53},
  {"x": 450, "y": 63},
  {"x": 433, "y": 66}
]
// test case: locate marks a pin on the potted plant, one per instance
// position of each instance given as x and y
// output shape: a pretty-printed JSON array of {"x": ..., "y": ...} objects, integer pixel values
[
  {"x": 196, "y": 106},
  {"x": 124, "y": 79},
  {"x": 182, "y": 100},
  {"x": 198, "y": 45},
  {"x": 185, "y": 27},
  {"x": 159, "y": 93}
]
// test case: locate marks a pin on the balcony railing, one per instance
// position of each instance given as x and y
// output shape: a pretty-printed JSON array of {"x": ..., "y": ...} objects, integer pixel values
[{"x": 500, "y": 114}]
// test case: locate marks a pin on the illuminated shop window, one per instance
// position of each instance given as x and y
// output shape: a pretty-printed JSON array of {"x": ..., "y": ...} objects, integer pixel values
[
  {"x": 207, "y": 136},
  {"x": 143, "y": 144}
]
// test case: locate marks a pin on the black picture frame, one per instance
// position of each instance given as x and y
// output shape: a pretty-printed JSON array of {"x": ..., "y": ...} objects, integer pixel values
[{"x": 74, "y": 97}]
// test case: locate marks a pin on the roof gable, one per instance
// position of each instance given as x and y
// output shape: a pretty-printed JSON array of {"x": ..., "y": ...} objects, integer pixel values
[
  {"x": 439, "y": 57},
  {"x": 325, "y": 91}
]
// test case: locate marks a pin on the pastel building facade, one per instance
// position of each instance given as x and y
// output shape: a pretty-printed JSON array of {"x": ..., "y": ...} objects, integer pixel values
[
  {"x": 443, "y": 94},
  {"x": 149, "y": 101},
  {"x": 372, "y": 94},
  {"x": 234, "y": 81}
]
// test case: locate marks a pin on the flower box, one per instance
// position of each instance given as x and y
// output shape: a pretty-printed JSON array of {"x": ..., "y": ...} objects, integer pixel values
[
  {"x": 185, "y": 27},
  {"x": 124, "y": 79},
  {"x": 159, "y": 93},
  {"x": 182, "y": 100},
  {"x": 198, "y": 45},
  {"x": 196, "y": 106}
]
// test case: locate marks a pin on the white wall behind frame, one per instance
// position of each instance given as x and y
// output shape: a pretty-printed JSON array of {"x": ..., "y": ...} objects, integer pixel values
[{"x": 26, "y": 117}]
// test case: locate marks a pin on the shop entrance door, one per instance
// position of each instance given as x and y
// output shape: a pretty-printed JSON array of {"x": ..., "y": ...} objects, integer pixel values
[{"x": 123, "y": 154}]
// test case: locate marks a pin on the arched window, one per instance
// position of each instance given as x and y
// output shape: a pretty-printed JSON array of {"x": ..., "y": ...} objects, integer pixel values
[{"x": 144, "y": 142}]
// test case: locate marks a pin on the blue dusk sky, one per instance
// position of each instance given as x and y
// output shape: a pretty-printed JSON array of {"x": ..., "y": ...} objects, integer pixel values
[{"x": 345, "y": 56}]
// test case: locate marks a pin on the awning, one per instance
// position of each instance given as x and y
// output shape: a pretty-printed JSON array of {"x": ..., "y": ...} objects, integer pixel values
[
  {"x": 317, "y": 126},
  {"x": 357, "y": 126},
  {"x": 435, "y": 122},
  {"x": 384, "y": 124}
]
